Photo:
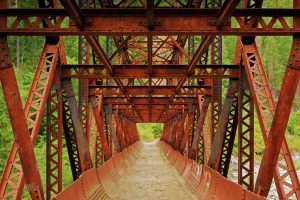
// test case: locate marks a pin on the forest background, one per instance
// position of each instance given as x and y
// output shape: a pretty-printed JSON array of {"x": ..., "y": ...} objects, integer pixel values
[{"x": 25, "y": 52}]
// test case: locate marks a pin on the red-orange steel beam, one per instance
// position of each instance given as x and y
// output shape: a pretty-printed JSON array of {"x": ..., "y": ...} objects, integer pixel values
[
  {"x": 155, "y": 115},
  {"x": 165, "y": 131},
  {"x": 223, "y": 15},
  {"x": 159, "y": 12},
  {"x": 155, "y": 100},
  {"x": 154, "y": 107},
  {"x": 215, "y": 155},
  {"x": 103, "y": 58},
  {"x": 226, "y": 11},
  {"x": 109, "y": 120},
  {"x": 18, "y": 122},
  {"x": 245, "y": 134},
  {"x": 265, "y": 108},
  {"x": 126, "y": 129},
  {"x": 187, "y": 129},
  {"x": 246, "y": 114},
  {"x": 54, "y": 139},
  {"x": 76, "y": 14},
  {"x": 84, "y": 57},
  {"x": 141, "y": 71},
  {"x": 176, "y": 126},
  {"x": 74, "y": 11},
  {"x": 276, "y": 136},
  {"x": 155, "y": 90},
  {"x": 71, "y": 140},
  {"x": 86, "y": 161},
  {"x": 200, "y": 126},
  {"x": 134, "y": 22},
  {"x": 119, "y": 130},
  {"x": 156, "y": 111},
  {"x": 180, "y": 118},
  {"x": 98, "y": 116},
  {"x": 129, "y": 132},
  {"x": 280, "y": 120},
  {"x": 128, "y": 88},
  {"x": 34, "y": 107},
  {"x": 171, "y": 132}
]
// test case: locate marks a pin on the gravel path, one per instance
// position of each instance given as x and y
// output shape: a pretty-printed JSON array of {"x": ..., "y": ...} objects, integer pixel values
[{"x": 150, "y": 177}]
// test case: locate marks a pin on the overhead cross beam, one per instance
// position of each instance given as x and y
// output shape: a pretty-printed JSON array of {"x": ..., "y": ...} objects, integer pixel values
[
  {"x": 154, "y": 90},
  {"x": 76, "y": 14},
  {"x": 155, "y": 100},
  {"x": 20, "y": 126},
  {"x": 128, "y": 21},
  {"x": 224, "y": 13},
  {"x": 124, "y": 71}
]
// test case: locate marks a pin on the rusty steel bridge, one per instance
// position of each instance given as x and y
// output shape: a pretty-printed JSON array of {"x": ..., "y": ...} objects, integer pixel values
[{"x": 161, "y": 63}]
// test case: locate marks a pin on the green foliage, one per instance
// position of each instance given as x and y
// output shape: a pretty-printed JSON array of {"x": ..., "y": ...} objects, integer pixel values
[
  {"x": 274, "y": 52},
  {"x": 297, "y": 164},
  {"x": 6, "y": 135},
  {"x": 293, "y": 127},
  {"x": 149, "y": 131}
]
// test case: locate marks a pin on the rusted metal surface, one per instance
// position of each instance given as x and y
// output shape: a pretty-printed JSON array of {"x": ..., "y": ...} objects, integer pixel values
[
  {"x": 98, "y": 115},
  {"x": 199, "y": 128},
  {"x": 109, "y": 119},
  {"x": 20, "y": 129},
  {"x": 84, "y": 55},
  {"x": 230, "y": 104},
  {"x": 204, "y": 182},
  {"x": 71, "y": 140},
  {"x": 134, "y": 22},
  {"x": 152, "y": 71},
  {"x": 90, "y": 184},
  {"x": 83, "y": 150},
  {"x": 54, "y": 139},
  {"x": 258, "y": 82},
  {"x": 276, "y": 137},
  {"x": 12, "y": 181},
  {"x": 245, "y": 135}
]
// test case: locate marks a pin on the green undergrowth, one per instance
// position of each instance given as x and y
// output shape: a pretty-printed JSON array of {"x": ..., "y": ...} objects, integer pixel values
[
  {"x": 274, "y": 53},
  {"x": 292, "y": 136},
  {"x": 149, "y": 131}
]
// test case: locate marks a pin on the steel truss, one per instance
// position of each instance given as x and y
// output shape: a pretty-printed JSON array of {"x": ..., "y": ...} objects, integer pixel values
[
  {"x": 54, "y": 139},
  {"x": 152, "y": 69},
  {"x": 12, "y": 182}
]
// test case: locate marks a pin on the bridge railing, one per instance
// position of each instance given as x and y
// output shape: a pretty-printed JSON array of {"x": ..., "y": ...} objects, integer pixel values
[
  {"x": 93, "y": 183},
  {"x": 203, "y": 181}
]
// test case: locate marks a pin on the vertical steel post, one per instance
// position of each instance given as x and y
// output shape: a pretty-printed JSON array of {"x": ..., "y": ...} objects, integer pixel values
[
  {"x": 83, "y": 149},
  {"x": 83, "y": 86},
  {"x": 187, "y": 129},
  {"x": 171, "y": 132},
  {"x": 200, "y": 124},
  {"x": 120, "y": 130},
  {"x": 18, "y": 122},
  {"x": 109, "y": 120},
  {"x": 180, "y": 130},
  {"x": 218, "y": 140},
  {"x": 245, "y": 134},
  {"x": 279, "y": 123},
  {"x": 216, "y": 58},
  {"x": 265, "y": 107},
  {"x": 99, "y": 123},
  {"x": 54, "y": 139},
  {"x": 71, "y": 141}
]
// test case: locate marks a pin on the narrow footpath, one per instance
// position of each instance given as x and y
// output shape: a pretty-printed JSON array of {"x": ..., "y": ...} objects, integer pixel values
[{"x": 150, "y": 177}]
